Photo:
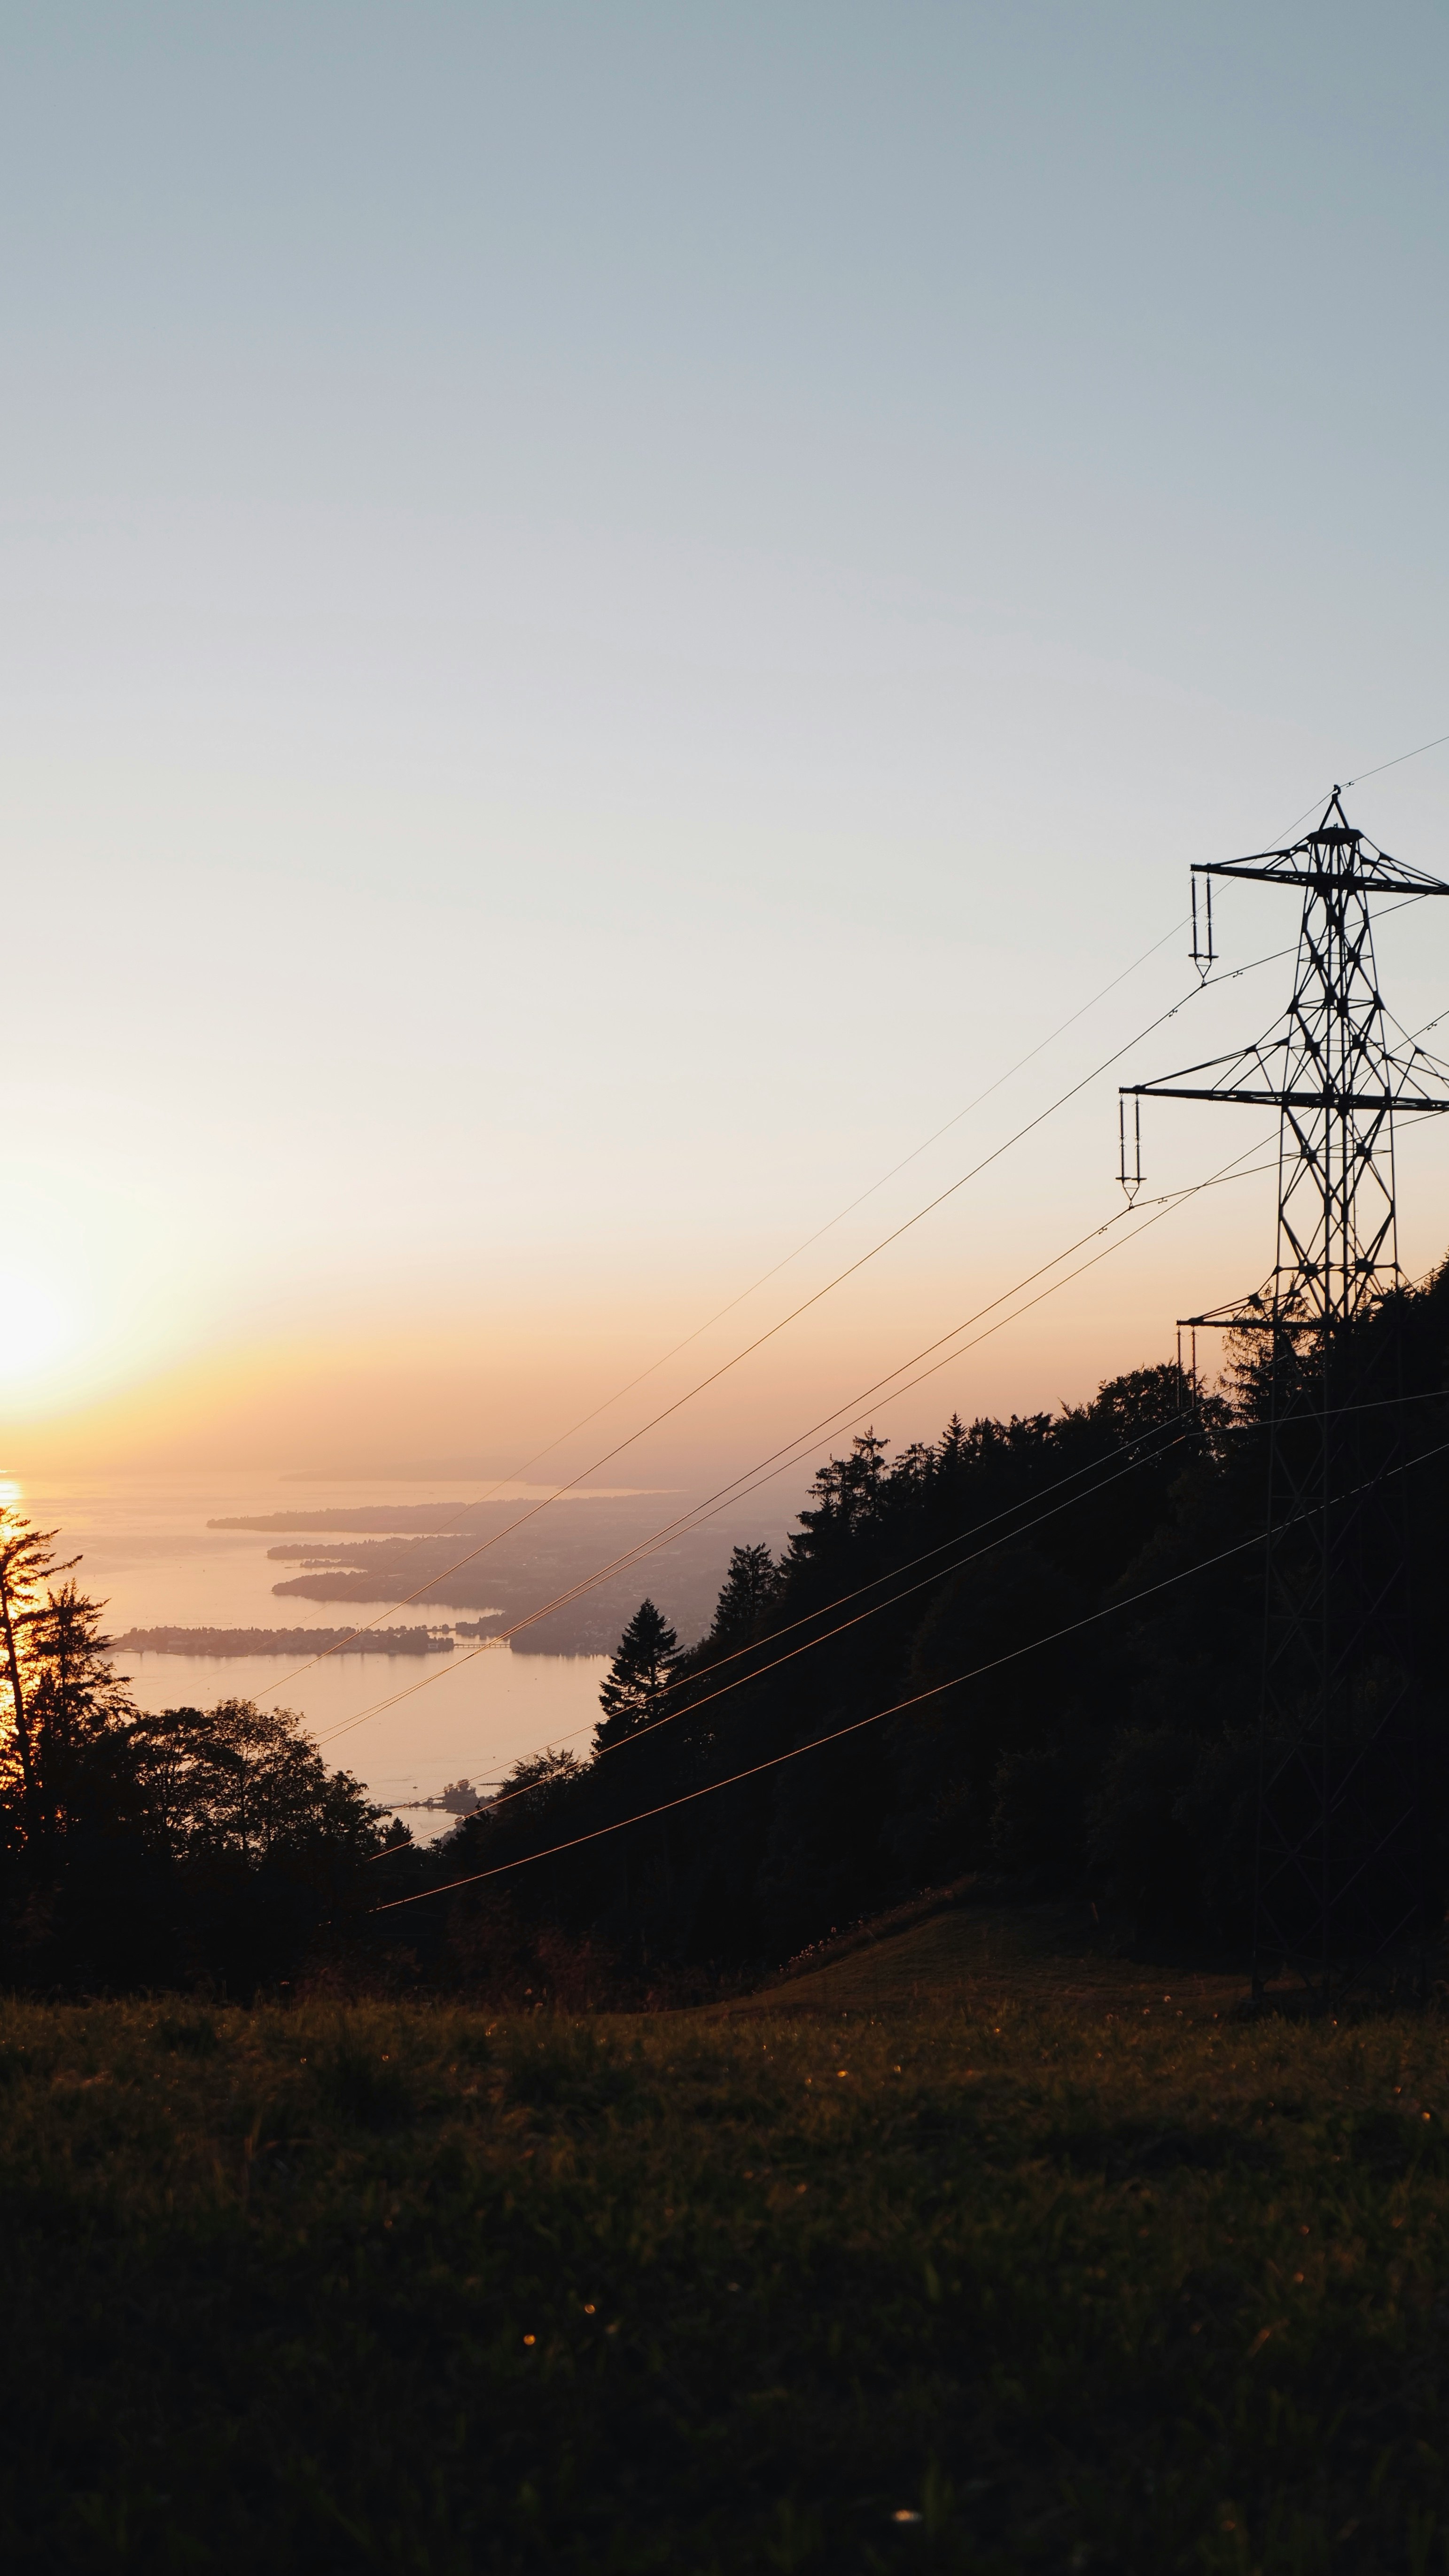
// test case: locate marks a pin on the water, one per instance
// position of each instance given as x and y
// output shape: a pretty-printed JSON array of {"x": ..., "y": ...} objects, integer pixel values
[{"x": 146, "y": 1551}]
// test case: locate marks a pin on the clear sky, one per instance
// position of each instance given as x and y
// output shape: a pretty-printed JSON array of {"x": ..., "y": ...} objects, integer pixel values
[{"x": 608, "y": 610}]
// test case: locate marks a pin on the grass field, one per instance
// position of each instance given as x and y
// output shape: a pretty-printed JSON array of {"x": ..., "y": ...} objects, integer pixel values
[{"x": 971, "y": 2274}]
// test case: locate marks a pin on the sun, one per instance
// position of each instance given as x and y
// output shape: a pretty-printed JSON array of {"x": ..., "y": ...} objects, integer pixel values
[{"x": 36, "y": 1326}]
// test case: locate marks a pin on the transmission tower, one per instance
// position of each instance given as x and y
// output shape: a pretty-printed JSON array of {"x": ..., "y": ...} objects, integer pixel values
[{"x": 1338, "y": 1879}]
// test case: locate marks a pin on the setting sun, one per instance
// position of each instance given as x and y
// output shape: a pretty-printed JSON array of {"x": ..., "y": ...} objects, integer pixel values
[{"x": 37, "y": 1327}]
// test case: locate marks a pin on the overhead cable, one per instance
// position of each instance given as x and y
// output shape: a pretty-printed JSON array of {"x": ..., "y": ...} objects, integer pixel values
[
  {"x": 1341, "y": 785},
  {"x": 691, "y": 1707},
  {"x": 713, "y": 1376},
  {"x": 779, "y": 1461},
  {"x": 897, "y": 1708},
  {"x": 517, "y": 1473},
  {"x": 687, "y": 1681},
  {"x": 849, "y": 1272}
]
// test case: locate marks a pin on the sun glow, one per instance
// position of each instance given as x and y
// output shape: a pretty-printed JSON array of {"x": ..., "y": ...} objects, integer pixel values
[{"x": 36, "y": 1327}]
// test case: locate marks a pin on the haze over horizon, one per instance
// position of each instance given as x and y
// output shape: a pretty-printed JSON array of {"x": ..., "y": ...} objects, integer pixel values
[{"x": 611, "y": 614}]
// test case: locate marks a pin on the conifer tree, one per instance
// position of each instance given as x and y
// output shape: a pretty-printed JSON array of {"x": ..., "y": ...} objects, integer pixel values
[
  {"x": 27, "y": 1599},
  {"x": 633, "y": 1694},
  {"x": 751, "y": 1583},
  {"x": 80, "y": 1710}
]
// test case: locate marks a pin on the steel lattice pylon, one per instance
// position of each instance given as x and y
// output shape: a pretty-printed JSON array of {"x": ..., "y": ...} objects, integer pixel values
[{"x": 1338, "y": 1878}]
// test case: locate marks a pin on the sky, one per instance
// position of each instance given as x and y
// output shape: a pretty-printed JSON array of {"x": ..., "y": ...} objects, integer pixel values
[{"x": 609, "y": 613}]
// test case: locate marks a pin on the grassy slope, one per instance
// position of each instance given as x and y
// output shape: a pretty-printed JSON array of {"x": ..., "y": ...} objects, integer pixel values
[
  {"x": 404, "y": 2289},
  {"x": 967, "y": 1950}
]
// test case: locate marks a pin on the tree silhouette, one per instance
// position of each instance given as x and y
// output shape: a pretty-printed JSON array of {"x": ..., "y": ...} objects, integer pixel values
[
  {"x": 244, "y": 1783},
  {"x": 633, "y": 1695},
  {"x": 750, "y": 1585},
  {"x": 79, "y": 1711},
  {"x": 27, "y": 1561}
]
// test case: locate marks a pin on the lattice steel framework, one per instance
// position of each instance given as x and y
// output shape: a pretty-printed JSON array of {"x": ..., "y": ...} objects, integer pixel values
[{"x": 1338, "y": 1873}]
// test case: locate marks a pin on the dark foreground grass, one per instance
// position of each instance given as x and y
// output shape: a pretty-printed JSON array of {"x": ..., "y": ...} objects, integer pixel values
[{"x": 986, "y": 2289}]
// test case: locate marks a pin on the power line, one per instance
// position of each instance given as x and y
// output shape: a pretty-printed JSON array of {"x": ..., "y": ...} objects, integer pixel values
[
  {"x": 778, "y": 1462},
  {"x": 691, "y": 1707},
  {"x": 686, "y": 1681},
  {"x": 341, "y": 1646},
  {"x": 472, "y": 1554},
  {"x": 1399, "y": 757},
  {"x": 1336, "y": 1606},
  {"x": 714, "y": 1375},
  {"x": 799, "y": 1444},
  {"x": 1340, "y": 784},
  {"x": 837, "y": 1734},
  {"x": 745, "y": 1293},
  {"x": 635, "y": 1555},
  {"x": 1425, "y": 1395}
]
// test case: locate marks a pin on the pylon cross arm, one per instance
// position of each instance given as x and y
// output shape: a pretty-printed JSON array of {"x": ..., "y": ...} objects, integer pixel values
[{"x": 1337, "y": 1882}]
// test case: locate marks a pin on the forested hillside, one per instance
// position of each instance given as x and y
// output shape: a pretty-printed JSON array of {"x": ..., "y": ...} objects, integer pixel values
[
  {"x": 1030, "y": 1648},
  {"x": 1033, "y": 1648}
]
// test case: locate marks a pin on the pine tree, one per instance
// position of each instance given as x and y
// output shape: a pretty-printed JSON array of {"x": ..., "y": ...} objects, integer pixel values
[
  {"x": 849, "y": 1495},
  {"x": 953, "y": 1449},
  {"x": 751, "y": 1583},
  {"x": 80, "y": 1710},
  {"x": 49, "y": 1642},
  {"x": 633, "y": 1695}
]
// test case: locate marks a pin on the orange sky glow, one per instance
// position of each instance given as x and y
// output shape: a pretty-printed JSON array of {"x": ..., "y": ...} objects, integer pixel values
[{"x": 572, "y": 713}]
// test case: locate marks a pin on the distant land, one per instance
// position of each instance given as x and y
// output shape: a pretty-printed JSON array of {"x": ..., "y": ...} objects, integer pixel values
[
  {"x": 509, "y": 1573},
  {"x": 431, "y": 1517},
  {"x": 453, "y": 1517},
  {"x": 502, "y": 1561},
  {"x": 281, "y": 1641}
]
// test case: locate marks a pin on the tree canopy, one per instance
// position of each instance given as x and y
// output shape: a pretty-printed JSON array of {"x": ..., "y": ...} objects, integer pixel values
[
  {"x": 632, "y": 1696},
  {"x": 1031, "y": 1647},
  {"x": 152, "y": 1846}
]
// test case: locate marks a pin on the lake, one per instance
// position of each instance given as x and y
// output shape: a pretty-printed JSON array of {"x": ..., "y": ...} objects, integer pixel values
[{"x": 146, "y": 1550}]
